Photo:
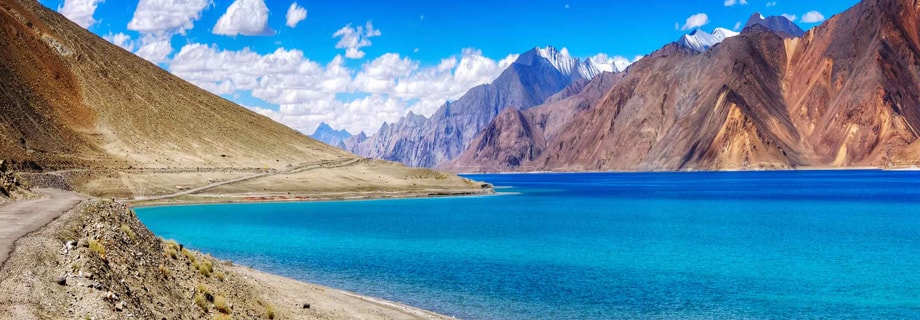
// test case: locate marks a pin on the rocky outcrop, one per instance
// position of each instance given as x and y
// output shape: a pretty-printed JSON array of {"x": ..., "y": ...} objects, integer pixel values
[
  {"x": 842, "y": 95},
  {"x": 11, "y": 187}
]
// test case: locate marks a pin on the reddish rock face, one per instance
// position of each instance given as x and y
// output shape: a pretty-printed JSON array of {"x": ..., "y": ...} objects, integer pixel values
[{"x": 846, "y": 94}]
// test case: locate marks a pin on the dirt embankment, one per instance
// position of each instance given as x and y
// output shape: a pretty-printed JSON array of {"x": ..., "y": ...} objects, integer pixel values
[{"x": 99, "y": 262}]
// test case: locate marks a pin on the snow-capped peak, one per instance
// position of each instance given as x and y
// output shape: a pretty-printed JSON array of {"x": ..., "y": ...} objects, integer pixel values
[
  {"x": 572, "y": 67},
  {"x": 605, "y": 63},
  {"x": 699, "y": 41},
  {"x": 560, "y": 59},
  {"x": 721, "y": 34}
]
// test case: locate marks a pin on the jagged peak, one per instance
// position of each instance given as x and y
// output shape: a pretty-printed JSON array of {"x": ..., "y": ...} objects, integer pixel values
[
  {"x": 324, "y": 126},
  {"x": 576, "y": 68},
  {"x": 778, "y": 24}
]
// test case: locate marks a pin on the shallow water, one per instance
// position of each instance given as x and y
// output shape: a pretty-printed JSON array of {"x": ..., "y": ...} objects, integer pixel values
[{"x": 773, "y": 245}]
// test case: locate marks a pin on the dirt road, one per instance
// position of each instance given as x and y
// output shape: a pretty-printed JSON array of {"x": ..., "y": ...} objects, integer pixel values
[
  {"x": 344, "y": 162},
  {"x": 22, "y": 217}
]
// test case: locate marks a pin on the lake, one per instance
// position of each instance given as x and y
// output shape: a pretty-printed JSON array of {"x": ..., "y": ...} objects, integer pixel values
[{"x": 753, "y": 245}]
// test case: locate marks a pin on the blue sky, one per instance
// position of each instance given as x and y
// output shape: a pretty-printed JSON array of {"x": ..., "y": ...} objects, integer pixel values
[{"x": 407, "y": 55}]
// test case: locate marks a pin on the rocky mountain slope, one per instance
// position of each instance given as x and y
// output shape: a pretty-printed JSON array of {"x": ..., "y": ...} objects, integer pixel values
[
  {"x": 529, "y": 81},
  {"x": 842, "y": 95},
  {"x": 72, "y": 101}
]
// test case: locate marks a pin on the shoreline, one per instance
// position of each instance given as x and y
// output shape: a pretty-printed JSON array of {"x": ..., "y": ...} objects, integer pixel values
[
  {"x": 304, "y": 286},
  {"x": 205, "y": 199},
  {"x": 24, "y": 286},
  {"x": 802, "y": 169}
]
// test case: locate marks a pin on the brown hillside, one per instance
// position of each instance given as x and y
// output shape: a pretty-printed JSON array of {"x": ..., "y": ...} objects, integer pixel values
[
  {"x": 72, "y": 100},
  {"x": 82, "y": 101}
]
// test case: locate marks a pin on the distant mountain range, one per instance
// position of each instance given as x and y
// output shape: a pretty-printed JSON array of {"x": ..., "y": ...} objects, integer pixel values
[
  {"x": 842, "y": 95},
  {"x": 426, "y": 142},
  {"x": 325, "y": 134},
  {"x": 537, "y": 75}
]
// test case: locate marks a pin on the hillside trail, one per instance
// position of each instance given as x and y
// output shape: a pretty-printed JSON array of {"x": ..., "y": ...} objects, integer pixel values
[
  {"x": 326, "y": 164},
  {"x": 20, "y": 218}
]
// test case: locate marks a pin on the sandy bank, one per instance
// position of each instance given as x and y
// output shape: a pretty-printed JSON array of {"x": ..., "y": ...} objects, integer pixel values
[{"x": 285, "y": 197}]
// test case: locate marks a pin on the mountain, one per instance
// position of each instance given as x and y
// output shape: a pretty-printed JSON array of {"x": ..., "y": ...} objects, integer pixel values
[
  {"x": 842, "y": 95},
  {"x": 721, "y": 34},
  {"x": 352, "y": 142},
  {"x": 425, "y": 142},
  {"x": 572, "y": 67},
  {"x": 325, "y": 134},
  {"x": 699, "y": 41},
  {"x": 778, "y": 24},
  {"x": 518, "y": 137},
  {"x": 121, "y": 126}
]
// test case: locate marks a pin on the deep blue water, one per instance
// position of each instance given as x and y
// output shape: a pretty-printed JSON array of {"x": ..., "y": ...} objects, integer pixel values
[{"x": 770, "y": 245}]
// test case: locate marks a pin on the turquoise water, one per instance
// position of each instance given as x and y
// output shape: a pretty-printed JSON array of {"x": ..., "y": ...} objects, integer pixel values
[{"x": 753, "y": 245}]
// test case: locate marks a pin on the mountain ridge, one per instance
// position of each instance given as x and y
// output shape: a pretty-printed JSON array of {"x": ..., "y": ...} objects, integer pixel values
[
  {"x": 427, "y": 142},
  {"x": 326, "y": 134},
  {"x": 842, "y": 95}
]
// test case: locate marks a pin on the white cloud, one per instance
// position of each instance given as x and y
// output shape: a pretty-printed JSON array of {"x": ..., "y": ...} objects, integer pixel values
[
  {"x": 812, "y": 17},
  {"x": 155, "y": 49},
  {"x": 791, "y": 17},
  {"x": 695, "y": 21},
  {"x": 121, "y": 40},
  {"x": 80, "y": 11},
  {"x": 729, "y": 3},
  {"x": 771, "y": 4},
  {"x": 166, "y": 16},
  {"x": 244, "y": 17},
  {"x": 381, "y": 74},
  {"x": 295, "y": 15},
  {"x": 383, "y": 89},
  {"x": 737, "y": 26},
  {"x": 353, "y": 39}
]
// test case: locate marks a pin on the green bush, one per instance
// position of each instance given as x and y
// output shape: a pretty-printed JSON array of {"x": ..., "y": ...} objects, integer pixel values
[
  {"x": 97, "y": 246},
  {"x": 221, "y": 304},
  {"x": 201, "y": 302},
  {"x": 127, "y": 230},
  {"x": 188, "y": 255},
  {"x": 205, "y": 268}
]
